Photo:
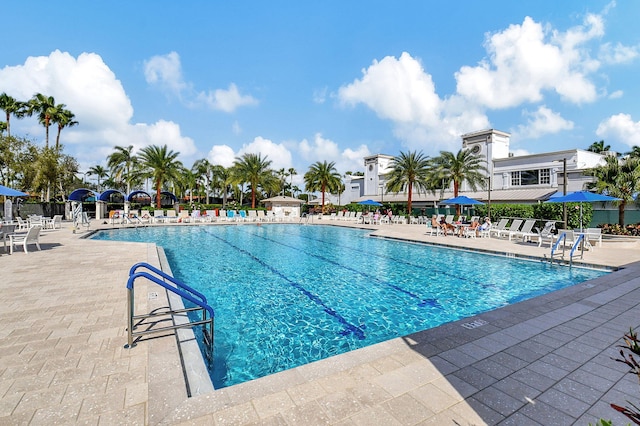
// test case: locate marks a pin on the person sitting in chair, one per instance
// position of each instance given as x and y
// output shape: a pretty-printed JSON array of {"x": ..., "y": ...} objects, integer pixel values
[
  {"x": 446, "y": 226},
  {"x": 465, "y": 230}
]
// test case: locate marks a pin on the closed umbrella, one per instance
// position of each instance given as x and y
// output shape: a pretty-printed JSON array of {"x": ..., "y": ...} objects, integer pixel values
[{"x": 582, "y": 197}]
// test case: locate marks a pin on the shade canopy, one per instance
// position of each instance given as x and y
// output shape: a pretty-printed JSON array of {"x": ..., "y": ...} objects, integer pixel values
[
  {"x": 81, "y": 194},
  {"x": 582, "y": 197},
  {"x": 106, "y": 195},
  {"x": 461, "y": 200},
  {"x": 369, "y": 203},
  {"x": 10, "y": 192}
]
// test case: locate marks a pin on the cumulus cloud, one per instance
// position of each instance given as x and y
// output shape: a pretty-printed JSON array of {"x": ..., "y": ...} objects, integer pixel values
[
  {"x": 226, "y": 100},
  {"x": 398, "y": 89},
  {"x": 622, "y": 128},
  {"x": 541, "y": 122},
  {"x": 322, "y": 149},
  {"x": 527, "y": 59},
  {"x": 278, "y": 154},
  {"x": 222, "y": 155},
  {"x": 92, "y": 92},
  {"x": 165, "y": 73}
]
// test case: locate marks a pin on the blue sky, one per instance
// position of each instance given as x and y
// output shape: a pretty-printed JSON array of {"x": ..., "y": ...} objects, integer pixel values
[{"x": 302, "y": 82}]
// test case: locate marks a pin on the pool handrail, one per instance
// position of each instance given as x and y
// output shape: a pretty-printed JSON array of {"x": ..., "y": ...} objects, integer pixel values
[
  {"x": 573, "y": 248},
  {"x": 179, "y": 288}
]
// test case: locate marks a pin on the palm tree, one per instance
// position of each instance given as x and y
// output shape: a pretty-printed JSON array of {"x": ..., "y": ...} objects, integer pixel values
[
  {"x": 122, "y": 162},
  {"x": 323, "y": 177},
  {"x": 202, "y": 169},
  {"x": 458, "y": 168},
  {"x": 45, "y": 107},
  {"x": 617, "y": 178},
  {"x": 98, "y": 171},
  {"x": 291, "y": 172},
  {"x": 161, "y": 165},
  {"x": 410, "y": 170},
  {"x": 221, "y": 179},
  {"x": 598, "y": 147},
  {"x": 635, "y": 151},
  {"x": 282, "y": 175},
  {"x": 254, "y": 169},
  {"x": 11, "y": 106},
  {"x": 64, "y": 118}
]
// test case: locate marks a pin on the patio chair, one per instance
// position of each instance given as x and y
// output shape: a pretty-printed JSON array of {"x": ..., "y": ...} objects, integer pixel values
[
  {"x": 499, "y": 227},
  {"x": 158, "y": 216},
  {"x": 593, "y": 236},
  {"x": 545, "y": 234},
  {"x": 172, "y": 216},
  {"x": 30, "y": 237},
  {"x": 525, "y": 233},
  {"x": 515, "y": 226},
  {"x": 5, "y": 232},
  {"x": 56, "y": 223}
]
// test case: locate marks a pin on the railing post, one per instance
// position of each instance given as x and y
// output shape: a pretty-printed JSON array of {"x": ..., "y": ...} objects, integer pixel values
[{"x": 130, "y": 314}]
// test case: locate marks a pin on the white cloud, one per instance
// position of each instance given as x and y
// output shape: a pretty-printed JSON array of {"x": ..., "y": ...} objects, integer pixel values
[
  {"x": 226, "y": 100},
  {"x": 235, "y": 127},
  {"x": 165, "y": 71},
  {"x": 541, "y": 122},
  {"x": 618, "y": 54},
  {"x": 401, "y": 91},
  {"x": 222, "y": 155},
  {"x": 322, "y": 149},
  {"x": 527, "y": 59},
  {"x": 278, "y": 154},
  {"x": 616, "y": 95},
  {"x": 620, "y": 127},
  {"x": 92, "y": 92},
  {"x": 320, "y": 95}
]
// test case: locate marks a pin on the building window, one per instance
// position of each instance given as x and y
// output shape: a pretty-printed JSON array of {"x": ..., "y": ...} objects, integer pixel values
[
  {"x": 545, "y": 176},
  {"x": 531, "y": 177},
  {"x": 515, "y": 178}
]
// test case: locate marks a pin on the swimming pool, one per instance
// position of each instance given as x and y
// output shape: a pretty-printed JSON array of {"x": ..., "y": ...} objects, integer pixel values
[{"x": 286, "y": 295}]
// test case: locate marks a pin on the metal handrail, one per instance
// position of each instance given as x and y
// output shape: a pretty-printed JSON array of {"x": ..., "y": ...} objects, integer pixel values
[
  {"x": 178, "y": 288},
  {"x": 573, "y": 248}
]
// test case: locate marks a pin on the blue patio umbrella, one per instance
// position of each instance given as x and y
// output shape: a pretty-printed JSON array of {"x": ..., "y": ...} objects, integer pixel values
[
  {"x": 461, "y": 200},
  {"x": 369, "y": 203},
  {"x": 10, "y": 192},
  {"x": 581, "y": 197}
]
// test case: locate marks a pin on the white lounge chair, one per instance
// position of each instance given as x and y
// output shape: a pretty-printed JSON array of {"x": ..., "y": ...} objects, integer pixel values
[
  {"x": 32, "y": 236},
  {"x": 56, "y": 223},
  {"x": 525, "y": 233},
  {"x": 515, "y": 225},
  {"x": 593, "y": 236},
  {"x": 499, "y": 227},
  {"x": 158, "y": 216},
  {"x": 545, "y": 234}
]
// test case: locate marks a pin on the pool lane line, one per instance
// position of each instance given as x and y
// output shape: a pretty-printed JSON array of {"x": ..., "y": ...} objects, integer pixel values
[
  {"x": 349, "y": 328},
  {"x": 430, "y": 269},
  {"x": 421, "y": 302}
]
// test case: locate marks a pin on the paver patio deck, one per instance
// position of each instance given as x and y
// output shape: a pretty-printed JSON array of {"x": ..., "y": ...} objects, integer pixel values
[{"x": 543, "y": 361}]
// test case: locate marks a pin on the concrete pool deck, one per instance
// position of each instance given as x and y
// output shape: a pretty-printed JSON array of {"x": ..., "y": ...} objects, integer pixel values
[{"x": 542, "y": 361}]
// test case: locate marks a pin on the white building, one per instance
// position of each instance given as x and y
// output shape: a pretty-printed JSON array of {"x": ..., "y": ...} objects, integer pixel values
[{"x": 510, "y": 179}]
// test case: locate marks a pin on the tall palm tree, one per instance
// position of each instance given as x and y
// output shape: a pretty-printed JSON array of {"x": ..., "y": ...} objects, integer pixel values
[
  {"x": 323, "y": 177},
  {"x": 253, "y": 169},
  {"x": 161, "y": 165},
  {"x": 202, "y": 168},
  {"x": 598, "y": 147},
  {"x": 221, "y": 179},
  {"x": 11, "y": 107},
  {"x": 282, "y": 175},
  {"x": 45, "y": 107},
  {"x": 457, "y": 168},
  {"x": 291, "y": 172},
  {"x": 122, "y": 163},
  {"x": 63, "y": 118},
  {"x": 410, "y": 170},
  {"x": 617, "y": 178},
  {"x": 98, "y": 171}
]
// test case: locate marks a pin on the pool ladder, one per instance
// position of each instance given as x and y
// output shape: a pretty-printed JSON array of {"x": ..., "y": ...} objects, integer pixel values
[
  {"x": 176, "y": 316},
  {"x": 578, "y": 243}
]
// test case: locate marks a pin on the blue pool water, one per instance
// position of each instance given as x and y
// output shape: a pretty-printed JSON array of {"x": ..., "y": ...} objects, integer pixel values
[{"x": 286, "y": 295}]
